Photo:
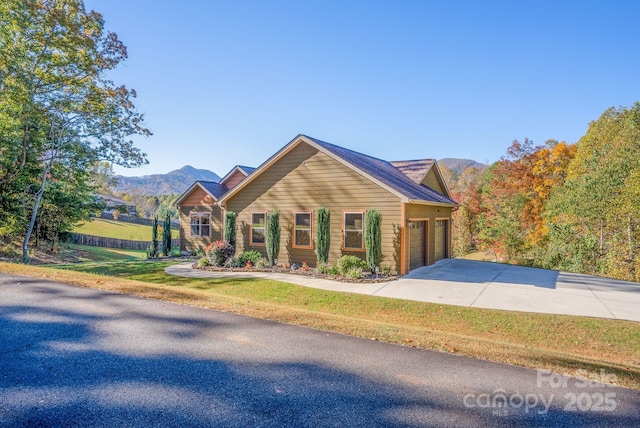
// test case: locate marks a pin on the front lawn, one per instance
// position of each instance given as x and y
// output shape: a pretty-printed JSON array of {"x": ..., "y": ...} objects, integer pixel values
[
  {"x": 560, "y": 343},
  {"x": 120, "y": 230},
  {"x": 85, "y": 253}
]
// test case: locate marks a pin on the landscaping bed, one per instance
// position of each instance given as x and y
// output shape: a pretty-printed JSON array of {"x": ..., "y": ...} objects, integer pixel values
[{"x": 367, "y": 277}]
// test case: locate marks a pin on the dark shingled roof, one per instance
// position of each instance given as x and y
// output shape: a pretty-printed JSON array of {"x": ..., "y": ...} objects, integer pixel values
[
  {"x": 216, "y": 189},
  {"x": 414, "y": 169},
  {"x": 386, "y": 173}
]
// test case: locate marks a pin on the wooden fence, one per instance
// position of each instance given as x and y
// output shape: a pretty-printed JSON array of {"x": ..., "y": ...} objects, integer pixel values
[
  {"x": 139, "y": 220},
  {"x": 123, "y": 244}
]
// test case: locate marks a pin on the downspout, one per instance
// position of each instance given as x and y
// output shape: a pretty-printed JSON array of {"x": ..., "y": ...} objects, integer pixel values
[{"x": 403, "y": 231}]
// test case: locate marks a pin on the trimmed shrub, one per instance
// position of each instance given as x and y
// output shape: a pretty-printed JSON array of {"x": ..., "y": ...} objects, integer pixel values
[
  {"x": 273, "y": 236},
  {"x": 323, "y": 234},
  {"x": 219, "y": 252},
  {"x": 322, "y": 268},
  {"x": 203, "y": 261},
  {"x": 230, "y": 227},
  {"x": 346, "y": 263},
  {"x": 262, "y": 263},
  {"x": 249, "y": 256},
  {"x": 373, "y": 238},
  {"x": 354, "y": 273},
  {"x": 387, "y": 270}
]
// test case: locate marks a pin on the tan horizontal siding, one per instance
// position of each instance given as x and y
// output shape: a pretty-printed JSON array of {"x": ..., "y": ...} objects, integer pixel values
[
  {"x": 431, "y": 180},
  {"x": 305, "y": 180},
  {"x": 193, "y": 243},
  {"x": 234, "y": 179},
  {"x": 198, "y": 197}
]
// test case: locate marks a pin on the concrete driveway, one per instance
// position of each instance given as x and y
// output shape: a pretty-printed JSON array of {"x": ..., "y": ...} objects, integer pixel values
[
  {"x": 518, "y": 288},
  {"x": 483, "y": 285}
]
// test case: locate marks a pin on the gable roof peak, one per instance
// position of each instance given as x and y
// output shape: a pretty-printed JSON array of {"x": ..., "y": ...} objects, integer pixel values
[
  {"x": 377, "y": 170},
  {"x": 215, "y": 190},
  {"x": 416, "y": 170},
  {"x": 246, "y": 170}
]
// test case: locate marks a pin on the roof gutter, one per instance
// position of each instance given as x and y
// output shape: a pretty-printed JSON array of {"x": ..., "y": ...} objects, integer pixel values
[{"x": 439, "y": 204}]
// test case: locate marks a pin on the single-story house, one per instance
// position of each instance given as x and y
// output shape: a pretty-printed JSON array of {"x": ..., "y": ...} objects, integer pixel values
[
  {"x": 113, "y": 202},
  {"x": 307, "y": 174},
  {"x": 200, "y": 214}
]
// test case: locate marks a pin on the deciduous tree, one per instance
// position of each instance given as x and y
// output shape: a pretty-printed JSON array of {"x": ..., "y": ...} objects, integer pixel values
[{"x": 57, "y": 106}]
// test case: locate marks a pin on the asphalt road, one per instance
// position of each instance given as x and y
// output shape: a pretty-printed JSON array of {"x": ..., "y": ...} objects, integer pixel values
[{"x": 71, "y": 356}]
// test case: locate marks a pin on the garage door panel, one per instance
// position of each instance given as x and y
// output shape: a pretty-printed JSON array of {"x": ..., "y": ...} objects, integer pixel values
[
  {"x": 417, "y": 244},
  {"x": 440, "y": 238}
]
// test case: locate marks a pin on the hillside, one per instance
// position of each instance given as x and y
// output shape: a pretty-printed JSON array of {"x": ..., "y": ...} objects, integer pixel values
[
  {"x": 458, "y": 165},
  {"x": 176, "y": 181}
]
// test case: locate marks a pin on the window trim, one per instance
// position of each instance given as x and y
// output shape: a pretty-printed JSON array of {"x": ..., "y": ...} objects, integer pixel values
[
  {"x": 293, "y": 231},
  {"x": 258, "y": 244},
  {"x": 199, "y": 214},
  {"x": 344, "y": 230}
]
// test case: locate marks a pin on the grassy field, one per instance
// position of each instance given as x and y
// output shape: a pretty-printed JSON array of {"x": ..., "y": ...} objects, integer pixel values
[
  {"x": 119, "y": 230},
  {"x": 98, "y": 254},
  {"x": 560, "y": 343}
]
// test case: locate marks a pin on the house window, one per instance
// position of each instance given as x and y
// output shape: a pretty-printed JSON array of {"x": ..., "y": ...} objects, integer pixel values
[
  {"x": 200, "y": 224},
  {"x": 258, "y": 228},
  {"x": 302, "y": 230},
  {"x": 353, "y": 231}
]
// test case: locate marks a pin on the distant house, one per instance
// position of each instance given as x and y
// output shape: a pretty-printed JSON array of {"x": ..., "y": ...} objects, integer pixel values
[
  {"x": 114, "y": 202},
  {"x": 307, "y": 174}
]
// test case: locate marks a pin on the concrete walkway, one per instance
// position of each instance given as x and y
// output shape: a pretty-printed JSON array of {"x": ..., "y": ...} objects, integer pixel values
[{"x": 480, "y": 285}]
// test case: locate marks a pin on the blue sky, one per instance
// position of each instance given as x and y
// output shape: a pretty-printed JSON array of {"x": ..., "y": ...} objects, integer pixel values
[{"x": 230, "y": 82}]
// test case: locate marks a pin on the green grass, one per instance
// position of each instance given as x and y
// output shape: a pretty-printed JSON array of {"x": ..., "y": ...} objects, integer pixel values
[
  {"x": 98, "y": 254},
  {"x": 120, "y": 230},
  {"x": 556, "y": 342}
]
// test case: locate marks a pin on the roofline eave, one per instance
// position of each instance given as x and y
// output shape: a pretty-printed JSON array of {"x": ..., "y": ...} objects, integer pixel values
[{"x": 189, "y": 190}]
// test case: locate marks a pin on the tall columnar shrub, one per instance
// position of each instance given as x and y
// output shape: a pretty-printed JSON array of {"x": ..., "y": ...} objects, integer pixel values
[
  {"x": 166, "y": 236},
  {"x": 273, "y": 236},
  {"x": 230, "y": 228},
  {"x": 154, "y": 238},
  {"x": 373, "y": 238},
  {"x": 323, "y": 234}
]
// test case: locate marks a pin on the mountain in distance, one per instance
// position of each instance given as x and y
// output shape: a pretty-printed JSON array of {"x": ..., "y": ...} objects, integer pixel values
[
  {"x": 176, "y": 181},
  {"x": 458, "y": 165}
]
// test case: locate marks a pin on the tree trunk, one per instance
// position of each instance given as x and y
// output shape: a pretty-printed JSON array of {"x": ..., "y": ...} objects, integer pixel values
[{"x": 34, "y": 213}]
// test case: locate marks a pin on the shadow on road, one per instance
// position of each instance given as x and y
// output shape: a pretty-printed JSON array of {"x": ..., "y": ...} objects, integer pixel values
[{"x": 86, "y": 366}]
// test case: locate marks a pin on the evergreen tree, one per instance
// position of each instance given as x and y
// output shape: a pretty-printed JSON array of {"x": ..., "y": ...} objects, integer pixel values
[
  {"x": 323, "y": 234},
  {"x": 373, "y": 239},
  {"x": 154, "y": 237},
  {"x": 166, "y": 236},
  {"x": 230, "y": 227},
  {"x": 272, "y": 239}
]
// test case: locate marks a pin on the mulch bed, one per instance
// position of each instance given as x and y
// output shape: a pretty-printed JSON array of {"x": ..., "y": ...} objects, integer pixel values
[{"x": 368, "y": 277}]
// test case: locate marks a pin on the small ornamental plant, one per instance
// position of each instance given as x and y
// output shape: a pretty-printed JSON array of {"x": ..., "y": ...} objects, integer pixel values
[{"x": 219, "y": 252}]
